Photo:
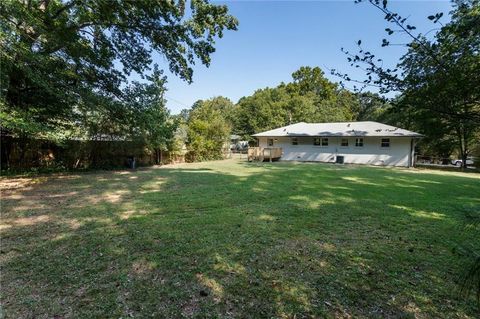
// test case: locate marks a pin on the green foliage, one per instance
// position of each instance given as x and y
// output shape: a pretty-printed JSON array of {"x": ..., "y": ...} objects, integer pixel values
[
  {"x": 309, "y": 98},
  {"x": 65, "y": 61},
  {"x": 442, "y": 82},
  {"x": 209, "y": 129},
  {"x": 371, "y": 107},
  {"x": 308, "y": 79},
  {"x": 150, "y": 119},
  {"x": 180, "y": 138},
  {"x": 24, "y": 155},
  {"x": 437, "y": 79},
  {"x": 262, "y": 111}
]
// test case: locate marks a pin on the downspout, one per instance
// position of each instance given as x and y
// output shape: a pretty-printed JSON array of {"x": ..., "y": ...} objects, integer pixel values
[
  {"x": 411, "y": 162},
  {"x": 336, "y": 149}
]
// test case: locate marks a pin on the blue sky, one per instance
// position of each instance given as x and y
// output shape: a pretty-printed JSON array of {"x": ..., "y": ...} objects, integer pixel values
[{"x": 275, "y": 38}]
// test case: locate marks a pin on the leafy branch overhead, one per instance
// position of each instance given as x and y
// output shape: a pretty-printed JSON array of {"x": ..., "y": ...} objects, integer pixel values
[
  {"x": 63, "y": 59},
  {"x": 436, "y": 81},
  {"x": 388, "y": 79}
]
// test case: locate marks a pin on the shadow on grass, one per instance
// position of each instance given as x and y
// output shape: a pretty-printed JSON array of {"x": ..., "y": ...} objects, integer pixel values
[{"x": 236, "y": 240}]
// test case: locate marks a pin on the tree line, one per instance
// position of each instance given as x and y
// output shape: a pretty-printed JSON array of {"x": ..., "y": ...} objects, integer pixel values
[
  {"x": 65, "y": 68},
  {"x": 309, "y": 97},
  {"x": 65, "y": 65},
  {"x": 435, "y": 84}
]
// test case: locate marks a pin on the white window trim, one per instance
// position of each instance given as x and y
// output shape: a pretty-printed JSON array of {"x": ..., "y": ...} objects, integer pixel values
[
  {"x": 389, "y": 142},
  {"x": 363, "y": 142},
  {"x": 344, "y": 146},
  {"x": 321, "y": 141}
]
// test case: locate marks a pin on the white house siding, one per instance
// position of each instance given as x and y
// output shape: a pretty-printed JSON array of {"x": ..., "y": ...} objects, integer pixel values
[{"x": 398, "y": 154}]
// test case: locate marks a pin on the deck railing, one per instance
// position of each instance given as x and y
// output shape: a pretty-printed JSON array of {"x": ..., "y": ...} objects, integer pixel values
[{"x": 264, "y": 153}]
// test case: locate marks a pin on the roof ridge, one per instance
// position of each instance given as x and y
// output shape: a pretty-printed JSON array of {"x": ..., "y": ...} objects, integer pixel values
[
  {"x": 346, "y": 128},
  {"x": 346, "y": 122}
]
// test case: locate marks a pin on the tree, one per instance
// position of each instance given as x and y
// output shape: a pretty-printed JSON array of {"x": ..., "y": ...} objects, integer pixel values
[
  {"x": 438, "y": 83},
  {"x": 263, "y": 110},
  {"x": 62, "y": 60},
  {"x": 180, "y": 139},
  {"x": 371, "y": 107},
  {"x": 310, "y": 97},
  {"x": 449, "y": 89},
  {"x": 332, "y": 104},
  {"x": 150, "y": 119},
  {"x": 308, "y": 79},
  {"x": 209, "y": 129},
  {"x": 221, "y": 104},
  {"x": 437, "y": 79}
]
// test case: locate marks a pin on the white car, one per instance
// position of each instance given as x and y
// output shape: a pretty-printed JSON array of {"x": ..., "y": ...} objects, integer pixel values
[{"x": 458, "y": 162}]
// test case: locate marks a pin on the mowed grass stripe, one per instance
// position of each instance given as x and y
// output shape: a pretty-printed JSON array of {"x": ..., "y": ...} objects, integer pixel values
[{"x": 235, "y": 239}]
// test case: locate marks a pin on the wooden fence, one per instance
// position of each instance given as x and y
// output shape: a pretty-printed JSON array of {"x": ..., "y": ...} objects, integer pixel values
[{"x": 24, "y": 154}]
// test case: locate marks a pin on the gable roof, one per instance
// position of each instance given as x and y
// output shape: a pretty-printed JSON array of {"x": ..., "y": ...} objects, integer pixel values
[{"x": 366, "y": 128}]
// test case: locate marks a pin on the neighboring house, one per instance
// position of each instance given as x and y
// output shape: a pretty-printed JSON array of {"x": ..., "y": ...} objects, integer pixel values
[
  {"x": 346, "y": 142},
  {"x": 233, "y": 141},
  {"x": 236, "y": 144}
]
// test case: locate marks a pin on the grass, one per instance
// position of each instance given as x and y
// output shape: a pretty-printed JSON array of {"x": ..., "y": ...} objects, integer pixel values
[{"x": 235, "y": 239}]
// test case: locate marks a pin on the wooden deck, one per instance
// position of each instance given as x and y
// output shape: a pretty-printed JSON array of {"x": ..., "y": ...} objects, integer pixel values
[{"x": 264, "y": 153}]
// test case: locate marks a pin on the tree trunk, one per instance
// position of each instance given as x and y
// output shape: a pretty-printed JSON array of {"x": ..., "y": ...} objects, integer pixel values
[
  {"x": 464, "y": 159},
  {"x": 6, "y": 150},
  {"x": 22, "y": 145},
  {"x": 462, "y": 143},
  {"x": 464, "y": 150},
  {"x": 157, "y": 157}
]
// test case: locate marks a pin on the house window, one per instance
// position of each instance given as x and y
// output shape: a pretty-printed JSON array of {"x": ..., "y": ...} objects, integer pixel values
[
  {"x": 324, "y": 141},
  {"x": 270, "y": 141},
  {"x": 316, "y": 141},
  {"x": 294, "y": 141},
  {"x": 344, "y": 142},
  {"x": 385, "y": 142},
  {"x": 359, "y": 142}
]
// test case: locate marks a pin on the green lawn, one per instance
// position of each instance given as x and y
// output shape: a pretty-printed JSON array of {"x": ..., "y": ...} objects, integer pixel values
[{"x": 241, "y": 240}]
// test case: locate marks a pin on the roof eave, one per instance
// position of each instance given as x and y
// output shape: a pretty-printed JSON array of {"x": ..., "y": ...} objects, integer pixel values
[{"x": 338, "y": 135}]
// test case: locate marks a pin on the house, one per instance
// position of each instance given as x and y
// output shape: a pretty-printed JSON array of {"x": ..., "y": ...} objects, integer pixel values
[{"x": 345, "y": 142}]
